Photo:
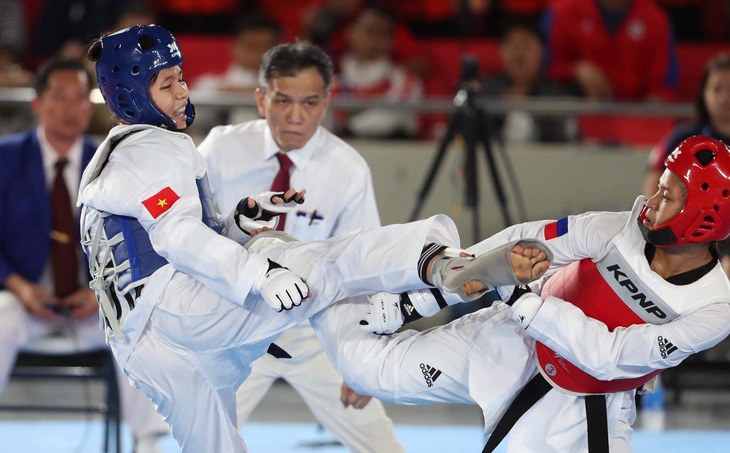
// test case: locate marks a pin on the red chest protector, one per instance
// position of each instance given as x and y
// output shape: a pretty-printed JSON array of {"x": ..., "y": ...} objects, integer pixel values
[{"x": 582, "y": 284}]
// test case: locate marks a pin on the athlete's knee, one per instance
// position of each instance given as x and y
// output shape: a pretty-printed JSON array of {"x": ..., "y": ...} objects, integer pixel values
[{"x": 372, "y": 378}]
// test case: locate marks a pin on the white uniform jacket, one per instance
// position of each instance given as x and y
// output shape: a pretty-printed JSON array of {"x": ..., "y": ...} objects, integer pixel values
[
  {"x": 158, "y": 178},
  {"x": 697, "y": 314}
]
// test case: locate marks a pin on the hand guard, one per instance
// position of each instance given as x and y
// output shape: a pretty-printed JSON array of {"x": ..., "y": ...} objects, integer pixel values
[
  {"x": 265, "y": 212},
  {"x": 384, "y": 315},
  {"x": 282, "y": 289}
]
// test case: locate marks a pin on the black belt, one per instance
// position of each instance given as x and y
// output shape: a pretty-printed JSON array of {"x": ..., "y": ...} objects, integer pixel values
[
  {"x": 278, "y": 352},
  {"x": 530, "y": 394}
]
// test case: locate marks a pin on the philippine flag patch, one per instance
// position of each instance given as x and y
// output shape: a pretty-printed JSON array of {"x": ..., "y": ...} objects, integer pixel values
[
  {"x": 556, "y": 229},
  {"x": 160, "y": 202}
]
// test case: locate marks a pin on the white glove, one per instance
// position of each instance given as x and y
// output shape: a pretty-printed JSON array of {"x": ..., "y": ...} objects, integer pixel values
[
  {"x": 384, "y": 315},
  {"x": 282, "y": 289},
  {"x": 265, "y": 212}
]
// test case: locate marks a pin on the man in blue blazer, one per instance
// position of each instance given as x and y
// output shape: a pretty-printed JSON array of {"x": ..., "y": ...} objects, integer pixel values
[{"x": 43, "y": 273}]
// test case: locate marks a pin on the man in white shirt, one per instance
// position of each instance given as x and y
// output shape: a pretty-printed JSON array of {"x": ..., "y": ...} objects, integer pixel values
[{"x": 291, "y": 149}]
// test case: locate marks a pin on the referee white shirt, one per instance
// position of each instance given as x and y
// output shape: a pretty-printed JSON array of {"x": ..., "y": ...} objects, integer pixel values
[{"x": 241, "y": 162}]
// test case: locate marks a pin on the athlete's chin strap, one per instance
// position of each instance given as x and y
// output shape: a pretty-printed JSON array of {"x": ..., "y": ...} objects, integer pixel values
[{"x": 661, "y": 238}]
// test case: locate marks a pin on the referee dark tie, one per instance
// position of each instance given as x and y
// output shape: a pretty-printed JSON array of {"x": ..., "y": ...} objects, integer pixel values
[
  {"x": 281, "y": 182},
  {"x": 64, "y": 238}
]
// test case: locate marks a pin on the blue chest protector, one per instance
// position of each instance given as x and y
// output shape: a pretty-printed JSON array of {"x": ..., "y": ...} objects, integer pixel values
[{"x": 136, "y": 247}]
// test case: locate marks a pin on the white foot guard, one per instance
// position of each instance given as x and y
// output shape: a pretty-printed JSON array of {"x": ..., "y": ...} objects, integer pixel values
[
  {"x": 491, "y": 269},
  {"x": 384, "y": 315}
]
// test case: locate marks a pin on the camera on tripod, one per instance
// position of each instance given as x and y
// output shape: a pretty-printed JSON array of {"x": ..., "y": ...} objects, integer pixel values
[
  {"x": 469, "y": 85},
  {"x": 471, "y": 122}
]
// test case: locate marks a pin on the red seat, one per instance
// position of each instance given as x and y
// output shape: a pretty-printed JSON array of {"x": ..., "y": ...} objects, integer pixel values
[
  {"x": 692, "y": 61},
  {"x": 625, "y": 130},
  {"x": 205, "y": 54},
  {"x": 212, "y": 54}
]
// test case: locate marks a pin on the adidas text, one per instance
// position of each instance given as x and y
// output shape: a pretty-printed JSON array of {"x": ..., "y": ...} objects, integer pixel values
[{"x": 430, "y": 374}]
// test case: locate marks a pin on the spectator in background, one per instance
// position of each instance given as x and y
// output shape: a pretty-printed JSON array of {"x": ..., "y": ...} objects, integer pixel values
[
  {"x": 712, "y": 108},
  {"x": 132, "y": 13},
  {"x": 614, "y": 49},
  {"x": 522, "y": 52},
  {"x": 368, "y": 71},
  {"x": 43, "y": 277},
  {"x": 326, "y": 23},
  {"x": 11, "y": 73},
  {"x": 12, "y": 27},
  {"x": 13, "y": 118},
  {"x": 67, "y": 26},
  {"x": 255, "y": 34}
]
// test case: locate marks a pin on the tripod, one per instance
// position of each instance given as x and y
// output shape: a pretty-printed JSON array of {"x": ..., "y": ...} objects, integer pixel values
[{"x": 471, "y": 122}]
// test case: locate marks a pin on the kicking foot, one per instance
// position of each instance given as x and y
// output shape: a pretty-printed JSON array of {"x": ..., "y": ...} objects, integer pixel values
[
  {"x": 514, "y": 263},
  {"x": 529, "y": 263}
]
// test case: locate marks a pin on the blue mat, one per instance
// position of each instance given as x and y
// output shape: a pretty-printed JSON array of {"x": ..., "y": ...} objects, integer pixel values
[{"x": 80, "y": 437}]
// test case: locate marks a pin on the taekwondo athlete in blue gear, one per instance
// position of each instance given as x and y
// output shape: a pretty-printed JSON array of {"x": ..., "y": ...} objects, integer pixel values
[{"x": 198, "y": 322}]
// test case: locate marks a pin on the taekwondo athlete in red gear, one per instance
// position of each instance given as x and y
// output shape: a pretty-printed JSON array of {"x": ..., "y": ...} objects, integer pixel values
[{"x": 627, "y": 295}]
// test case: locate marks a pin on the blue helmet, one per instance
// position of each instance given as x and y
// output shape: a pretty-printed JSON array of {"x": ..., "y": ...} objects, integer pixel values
[{"x": 129, "y": 59}]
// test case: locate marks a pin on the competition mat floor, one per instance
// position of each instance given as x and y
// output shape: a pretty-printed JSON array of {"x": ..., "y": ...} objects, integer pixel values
[
  {"x": 283, "y": 424},
  {"x": 76, "y": 436}
]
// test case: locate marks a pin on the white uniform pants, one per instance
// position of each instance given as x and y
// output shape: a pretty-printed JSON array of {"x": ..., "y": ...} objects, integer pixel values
[
  {"x": 198, "y": 348},
  {"x": 434, "y": 366},
  {"x": 19, "y": 328},
  {"x": 311, "y": 374},
  {"x": 405, "y": 368}
]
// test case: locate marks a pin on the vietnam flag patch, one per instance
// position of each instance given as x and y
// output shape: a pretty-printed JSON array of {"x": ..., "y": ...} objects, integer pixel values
[
  {"x": 160, "y": 202},
  {"x": 556, "y": 229}
]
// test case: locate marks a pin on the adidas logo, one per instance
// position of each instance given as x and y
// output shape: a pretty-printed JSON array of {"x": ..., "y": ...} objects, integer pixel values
[
  {"x": 430, "y": 374},
  {"x": 409, "y": 308},
  {"x": 665, "y": 347}
]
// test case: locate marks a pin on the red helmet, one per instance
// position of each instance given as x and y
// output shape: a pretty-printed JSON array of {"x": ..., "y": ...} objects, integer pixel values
[{"x": 703, "y": 164}]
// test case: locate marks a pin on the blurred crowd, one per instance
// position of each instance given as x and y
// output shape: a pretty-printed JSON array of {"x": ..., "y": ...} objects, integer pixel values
[{"x": 623, "y": 50}]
